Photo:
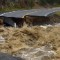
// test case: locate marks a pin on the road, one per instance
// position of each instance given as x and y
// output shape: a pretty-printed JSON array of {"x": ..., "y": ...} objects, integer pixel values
[{"x": 32, "y": 12}]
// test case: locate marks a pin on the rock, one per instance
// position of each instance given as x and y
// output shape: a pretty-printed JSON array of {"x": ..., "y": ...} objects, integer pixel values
[{"x": 4, "y": 56}]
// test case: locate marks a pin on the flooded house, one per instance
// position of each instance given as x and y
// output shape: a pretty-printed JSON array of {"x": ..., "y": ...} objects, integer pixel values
[{"x": 21, "y": 17}]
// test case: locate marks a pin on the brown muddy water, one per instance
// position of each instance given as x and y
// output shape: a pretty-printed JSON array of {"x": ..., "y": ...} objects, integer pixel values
[{"x": 31, "y": 43}]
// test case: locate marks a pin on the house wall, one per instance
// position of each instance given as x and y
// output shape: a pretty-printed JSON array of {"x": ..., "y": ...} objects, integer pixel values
[
  {"x": 19, "y": 21},
  {"x": 36, "y": 20}
]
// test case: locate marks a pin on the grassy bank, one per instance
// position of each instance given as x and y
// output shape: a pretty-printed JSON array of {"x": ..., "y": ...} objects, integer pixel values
[
  {"x": 11, "y": 9},
  {"x": 58, "y": 13}
]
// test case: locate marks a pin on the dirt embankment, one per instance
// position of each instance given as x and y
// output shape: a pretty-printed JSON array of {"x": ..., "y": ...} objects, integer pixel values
[{"x": 20, "y": 38}]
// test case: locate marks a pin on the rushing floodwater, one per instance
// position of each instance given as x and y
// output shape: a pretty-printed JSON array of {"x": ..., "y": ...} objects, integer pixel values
[{"x": 42, "y": 53}]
